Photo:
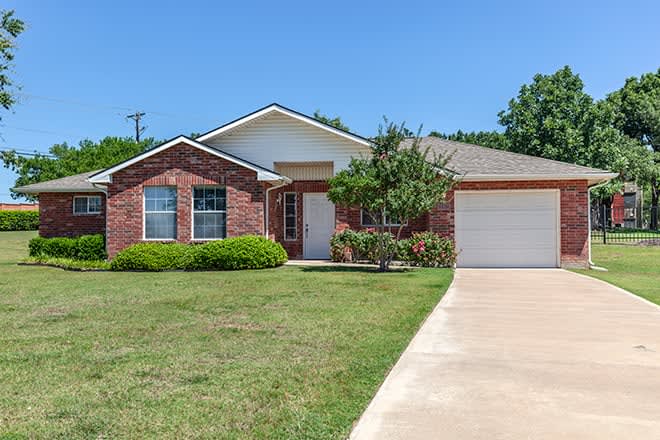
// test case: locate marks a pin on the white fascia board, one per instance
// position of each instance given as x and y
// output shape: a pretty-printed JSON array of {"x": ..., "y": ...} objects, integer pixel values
[
  {"x": 57, "y": 190},
  {"x": 284, "y": 111},
  {"x": 106, "y": 175}
]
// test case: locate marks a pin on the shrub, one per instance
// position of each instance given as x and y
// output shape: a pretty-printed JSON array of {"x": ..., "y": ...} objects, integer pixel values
[
  {"x": 151, "y": 257},
  {"x": 246, "y": 252},
  {"x": 85, "y": 247},
  {"x": 19, "y": 220},
  {"x": 350, "y": 245},
  {"x": 428, "y": 249}
]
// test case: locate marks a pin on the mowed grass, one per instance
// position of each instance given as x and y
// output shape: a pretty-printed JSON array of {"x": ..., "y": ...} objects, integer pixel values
[
  {"x": 634, "y": 268},
  {"x": 286, "y": 353}
]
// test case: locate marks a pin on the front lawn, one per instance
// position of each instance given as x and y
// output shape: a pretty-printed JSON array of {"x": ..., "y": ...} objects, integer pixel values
[
  {"x": 634, "y": 268},
  {"x": 292, "y": 352}
]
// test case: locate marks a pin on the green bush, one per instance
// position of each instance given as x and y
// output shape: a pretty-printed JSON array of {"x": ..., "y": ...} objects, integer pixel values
[
  {"x": 19, "y": 220},
  {"x": 428, "y": 249},
  {"x": 359, "y": 245},
  {"x": 85, "y": 247},
  {"x": 246, "y": 252},
  {"x": 151, "y": 257}
]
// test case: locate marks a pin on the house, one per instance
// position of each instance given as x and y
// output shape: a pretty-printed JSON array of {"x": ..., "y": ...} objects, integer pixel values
[
  {"x": 265, "y": 173},
  {"x": 627, "y": 207}
]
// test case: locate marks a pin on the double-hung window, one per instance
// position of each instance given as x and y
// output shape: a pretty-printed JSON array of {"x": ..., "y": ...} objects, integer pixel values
[
  {"x": 160, "y": 212},
  {"x": 371, "y": 219},
  {"x": 290, "y": 229},
  {"x": 209, "y": 212},
  {"x": 84, "y": 205}
]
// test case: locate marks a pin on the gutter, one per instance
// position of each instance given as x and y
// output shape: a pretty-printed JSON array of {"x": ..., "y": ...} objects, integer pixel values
[{"x": 282, "y": 182}]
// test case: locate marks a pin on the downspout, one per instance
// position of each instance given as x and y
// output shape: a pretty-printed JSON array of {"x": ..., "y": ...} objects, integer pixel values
[
  {"x": 283, "y": 182},
  {"x": 104, "y": 190}
]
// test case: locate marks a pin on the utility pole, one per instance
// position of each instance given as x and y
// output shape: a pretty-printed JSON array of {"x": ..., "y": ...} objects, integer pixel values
[{"x": 137, "y": 117}]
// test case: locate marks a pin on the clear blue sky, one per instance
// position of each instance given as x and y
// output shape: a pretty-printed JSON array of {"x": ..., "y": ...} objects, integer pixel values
[{"x": 195, "y": 65}]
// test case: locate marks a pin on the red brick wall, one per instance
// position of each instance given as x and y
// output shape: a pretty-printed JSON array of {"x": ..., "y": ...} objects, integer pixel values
[
  {"x": 344, "y": 217},
  {"x": 56, "y": 217},
  {"x": 19, "y": 206},
  {"x": 182, "y": 166},
  {"x": 574, "y": 214}
]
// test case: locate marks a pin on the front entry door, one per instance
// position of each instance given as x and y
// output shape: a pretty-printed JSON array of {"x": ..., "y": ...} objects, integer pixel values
[{"x": 319, "y": 224}]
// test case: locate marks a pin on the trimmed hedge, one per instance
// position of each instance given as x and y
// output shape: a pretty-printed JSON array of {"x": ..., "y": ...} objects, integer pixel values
[
  {"x": 428, "y": 249},
  {"x": 19, "y": 220},
  {"x": 246, "y": 252},
  {"x": 85, "y": 247}
]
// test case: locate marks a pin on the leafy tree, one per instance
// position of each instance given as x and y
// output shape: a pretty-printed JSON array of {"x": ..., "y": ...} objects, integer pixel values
[
  {"x": 63, "y": 160},
  {"x": 491, "y": 139},
  {"x": 638, "y": 116},
  {"x": 10, "y": 28},
  {"x": 335, "y": 122},
  {"x": 553, "y": 117},
  {"x": 397, "y": 181}
]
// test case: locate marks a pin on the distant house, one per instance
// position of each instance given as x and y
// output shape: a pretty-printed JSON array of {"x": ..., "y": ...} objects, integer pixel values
[
  {"x": 627, "y": 207},
  {"x": 266, "y": 173},
  {"x": 19, "y": 206}
]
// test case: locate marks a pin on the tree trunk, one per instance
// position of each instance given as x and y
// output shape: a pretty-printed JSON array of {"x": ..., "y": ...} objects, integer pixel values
[
  {"x": 382, "y": 266},
  {"x": 655, "y": 195}
]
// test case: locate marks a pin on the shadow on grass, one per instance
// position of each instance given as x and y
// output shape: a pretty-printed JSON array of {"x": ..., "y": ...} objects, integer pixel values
[{"x": 366, "y": 269}]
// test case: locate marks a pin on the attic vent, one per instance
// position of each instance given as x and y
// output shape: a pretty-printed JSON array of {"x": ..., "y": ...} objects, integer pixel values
[{"x": 305, "y": 170}]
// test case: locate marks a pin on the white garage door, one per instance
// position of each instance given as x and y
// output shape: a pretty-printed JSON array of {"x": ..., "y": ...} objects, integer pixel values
[{"x": 506, "y": 229}]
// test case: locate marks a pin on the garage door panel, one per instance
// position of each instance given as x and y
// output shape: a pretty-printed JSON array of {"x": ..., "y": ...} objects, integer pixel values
[{"x": 512, "y": 229}]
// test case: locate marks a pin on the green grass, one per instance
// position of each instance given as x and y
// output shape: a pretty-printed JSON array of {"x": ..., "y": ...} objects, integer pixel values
[
  {"x": 286, "y": 353},
  {"x": 67, "y": 263},
  {"x": 634, "y": 268}
]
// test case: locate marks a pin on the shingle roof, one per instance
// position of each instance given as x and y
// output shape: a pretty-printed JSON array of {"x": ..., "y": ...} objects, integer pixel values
[
  {"x": 476, "y": 161},
  {"x": 75, "y": 183}
]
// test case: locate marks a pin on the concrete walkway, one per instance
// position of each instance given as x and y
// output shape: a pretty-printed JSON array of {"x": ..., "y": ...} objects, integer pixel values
[{"x": 525, "y": 354}]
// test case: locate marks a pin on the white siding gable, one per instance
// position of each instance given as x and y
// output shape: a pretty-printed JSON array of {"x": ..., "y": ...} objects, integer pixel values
[{"x": 276, "y": 137}]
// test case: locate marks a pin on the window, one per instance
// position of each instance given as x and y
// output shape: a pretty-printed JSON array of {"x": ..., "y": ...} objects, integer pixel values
[
  {"x": 369, "y": 219},
  {"x": 290, "y": 229},
  {"x": 209, "y": 213},
  {"x": 160, "y": 213},
  {"x": 87, "y": 205}
]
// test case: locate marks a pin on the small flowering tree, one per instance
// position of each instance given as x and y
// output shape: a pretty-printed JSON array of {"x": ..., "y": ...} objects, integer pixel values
[{"x": 398, "y": 181}]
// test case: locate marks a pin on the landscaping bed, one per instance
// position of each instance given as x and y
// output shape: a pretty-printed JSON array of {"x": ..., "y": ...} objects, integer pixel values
[{"x": 283, "y": 353}]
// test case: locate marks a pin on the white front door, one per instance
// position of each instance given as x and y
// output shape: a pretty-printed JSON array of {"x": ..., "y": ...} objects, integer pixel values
[{"x": 319, "y": 225}]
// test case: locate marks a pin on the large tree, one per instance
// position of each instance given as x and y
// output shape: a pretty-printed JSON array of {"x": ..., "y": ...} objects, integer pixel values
[
  {"x": 553, "y": 117},
  {"x": 10, "y": 28},
  {"x": 637, "y": 106},
  {"x": 64, "y": 160},
  {"x": 398, "y": 180}
]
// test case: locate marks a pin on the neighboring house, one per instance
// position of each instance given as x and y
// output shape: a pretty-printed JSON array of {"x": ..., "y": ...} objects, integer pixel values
[
  {"x": 265, "y": 173},
  {"x": 19, "y": 206},
  {"x": 627, "y": 207}
]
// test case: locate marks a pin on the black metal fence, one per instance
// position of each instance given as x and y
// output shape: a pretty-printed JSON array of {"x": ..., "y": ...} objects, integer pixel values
[{"x": 624, "y": 225}]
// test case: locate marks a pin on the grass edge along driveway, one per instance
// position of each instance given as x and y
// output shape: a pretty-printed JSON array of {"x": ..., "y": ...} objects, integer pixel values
[
  {"x": 291, "y": 352},
  {"x": 630, "y": 267}
]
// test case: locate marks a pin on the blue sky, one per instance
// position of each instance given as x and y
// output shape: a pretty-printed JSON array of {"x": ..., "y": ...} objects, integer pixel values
[{"x": 195, "y": 65}]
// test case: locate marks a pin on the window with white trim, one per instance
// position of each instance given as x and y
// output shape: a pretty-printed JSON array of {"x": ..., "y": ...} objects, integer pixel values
[
  {"x": 160, "y": 212},
  {"x": 209, "y": 212},
  {"x": 83, "y": 205},
  {"x": 290, "y": 220},
  {"x": 370, "y": 219}
]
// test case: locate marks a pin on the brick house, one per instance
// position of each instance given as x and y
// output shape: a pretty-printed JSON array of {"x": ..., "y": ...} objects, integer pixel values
[{"x": 265, "y": 173}]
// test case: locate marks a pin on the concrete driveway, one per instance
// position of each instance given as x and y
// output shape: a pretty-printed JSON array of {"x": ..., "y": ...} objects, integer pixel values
[{"x": 525, "y": 354}]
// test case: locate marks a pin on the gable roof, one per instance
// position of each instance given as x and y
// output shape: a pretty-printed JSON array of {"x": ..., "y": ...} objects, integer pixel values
[
  {"x": 477, "y": 163},
  {"x": 264, "y": 174},
  {"x": 75, "y": 183},
  {"x": 274, "y": 107}
]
